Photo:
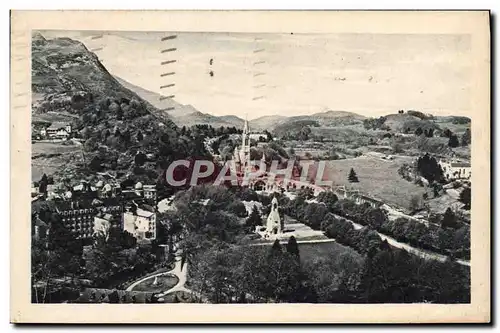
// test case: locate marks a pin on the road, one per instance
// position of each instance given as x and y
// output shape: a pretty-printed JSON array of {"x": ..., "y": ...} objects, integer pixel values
[{"x": 428, "y": 255}]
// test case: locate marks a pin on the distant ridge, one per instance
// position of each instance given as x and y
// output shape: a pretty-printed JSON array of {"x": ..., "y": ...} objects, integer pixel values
[{"x": 182, "y": 115}]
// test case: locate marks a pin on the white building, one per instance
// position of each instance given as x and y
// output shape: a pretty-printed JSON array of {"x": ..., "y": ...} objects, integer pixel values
[
  {"x": 455, "y": 170},
  {"x": 273, "y": 225},
  {"x": 140, "y": 222},
  {"x": 57, "y": 131},
  {"x": 102, "y": 224}
]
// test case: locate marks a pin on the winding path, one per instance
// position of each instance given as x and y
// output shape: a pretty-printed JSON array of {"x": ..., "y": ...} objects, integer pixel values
[{"x": 178, "y": 271}]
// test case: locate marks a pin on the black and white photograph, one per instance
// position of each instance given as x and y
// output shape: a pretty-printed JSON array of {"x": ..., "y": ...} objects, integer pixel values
[{"x": 210, "y": 167}]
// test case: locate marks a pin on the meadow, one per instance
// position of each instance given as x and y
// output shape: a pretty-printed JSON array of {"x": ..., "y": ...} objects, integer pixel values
[{"x": 378, "y": 178}]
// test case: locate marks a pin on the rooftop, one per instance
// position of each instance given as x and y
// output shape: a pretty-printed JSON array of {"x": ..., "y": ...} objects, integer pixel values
[{"x": 460, "y": 164}]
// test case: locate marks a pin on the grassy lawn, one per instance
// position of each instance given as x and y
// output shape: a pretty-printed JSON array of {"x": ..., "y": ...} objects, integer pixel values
[
  {"x": 313, "y": 252},
  {"x": 164, "y": 282},
  {"x": 377, "y": 178}
]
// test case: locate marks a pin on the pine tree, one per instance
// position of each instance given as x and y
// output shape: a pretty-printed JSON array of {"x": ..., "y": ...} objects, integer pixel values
[
  {"x": 418, "y": 131},
  {"x": 453, "y": 142},
  {"x": 353, "y": 178},
  {"x": 276, "y": 248},
  {"x": 42, "y": 187},
  {"x": 292, "y": 247}
]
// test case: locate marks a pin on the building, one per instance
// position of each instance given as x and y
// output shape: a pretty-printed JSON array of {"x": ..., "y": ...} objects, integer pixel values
[
  {"x": 140, "y": 222},
  {"x": 149, "y": 192},
  {"x": 241, "y": 156},
  {"x": 61, "y": 131},
  {"x": 273, "y": 225},
  {"x": 102, "y": 224},
  {"x": 78, "y": 216},
  {"x": 140, "y": 193},
  {"x": 40, "y": 229},
  {"x": 358, "y": 198},
  {"x": 258, "y": 136},
  {"x": 455, "y": 170}
]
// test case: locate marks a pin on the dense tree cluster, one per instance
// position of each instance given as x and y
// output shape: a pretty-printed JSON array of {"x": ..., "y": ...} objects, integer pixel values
[
  {"x": 429, "y": 168},
  {"x": 375, "y": 123},
  {"x": 388, "y": 274},
  {"x": 256, "y": 274}
]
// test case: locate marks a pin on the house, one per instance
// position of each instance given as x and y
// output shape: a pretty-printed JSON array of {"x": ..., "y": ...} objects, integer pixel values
[
  {"x": 102, "y": 224},
  {"x": 455, "y": 170},
  {"x": 258, "y": 136},
  {"x": 149, "y": 192},
  {"x": 57, "y": 130},
  {"x": 40, "y": 228},
  {"x": 358, "y": 198},
  {"x": 140, "y": 222}
]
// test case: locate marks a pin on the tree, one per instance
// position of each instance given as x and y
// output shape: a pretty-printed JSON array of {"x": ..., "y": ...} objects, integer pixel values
[
  {"x": 329, "y": 198},
  {"x": 254, "y": 219},
  {"x": 91, "y": 144},
  {"x": 453, "y": 141},
  {"x": 42, "y": 187},
  {"x": 292, "y": 247},
  {"x": 353, "y": 178},
  {"x": 418, "y": 131},
  {"x": 447, "y": 133},
  {"x": 276, "y": 248},
  {"x": 429, "y": 168},
  {"x": 140, "y": 159},
  {"x": 466, "y": 138},
  {"x": 140, "y": 137},
  {"x": 465, "y": 197},
  {"x": 449, "y": 219}
]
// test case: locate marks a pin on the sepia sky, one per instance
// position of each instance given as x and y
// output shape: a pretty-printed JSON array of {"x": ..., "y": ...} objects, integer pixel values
[{"x": 371, "y": 74}]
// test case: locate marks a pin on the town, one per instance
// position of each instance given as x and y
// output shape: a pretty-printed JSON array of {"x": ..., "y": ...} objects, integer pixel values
[{"x": 137, "y": 198}]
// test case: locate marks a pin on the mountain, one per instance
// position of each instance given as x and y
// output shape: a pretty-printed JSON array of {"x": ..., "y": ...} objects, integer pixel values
[
  {"x": 322, "y": 119},
  {"x": 182, "y": 115},
  {"x": 266, "y": 122},
  {"x": 113, "y": 122}
]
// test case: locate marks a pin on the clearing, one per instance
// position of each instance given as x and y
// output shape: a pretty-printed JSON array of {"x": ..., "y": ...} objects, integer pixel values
[{"x": 49, "y": 157}]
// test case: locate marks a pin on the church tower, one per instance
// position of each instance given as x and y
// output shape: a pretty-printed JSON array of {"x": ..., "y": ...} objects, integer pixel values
[
  {"x": 244, "y": 153},
  {"x": 273, "y": 220}
]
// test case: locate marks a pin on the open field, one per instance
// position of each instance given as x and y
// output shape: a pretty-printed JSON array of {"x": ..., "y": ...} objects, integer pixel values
[
  {"x": 377, "y": 178},
  {"x": 51, "y": 117},
  {"x": 48, "y": 157},
  {"x": 313, "y": 252}
]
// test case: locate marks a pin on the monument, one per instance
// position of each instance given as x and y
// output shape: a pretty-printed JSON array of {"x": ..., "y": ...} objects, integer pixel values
[{"x": 273, "y": 226}]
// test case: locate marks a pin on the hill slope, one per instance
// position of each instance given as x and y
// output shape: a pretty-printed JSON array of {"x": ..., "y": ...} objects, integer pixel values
[
  {"x": 182, "y": 115},
  {"x": 113, "y": 122}
]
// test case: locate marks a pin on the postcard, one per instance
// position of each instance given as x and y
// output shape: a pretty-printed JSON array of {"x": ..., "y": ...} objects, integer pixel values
[{"x": 250, "y": 166}]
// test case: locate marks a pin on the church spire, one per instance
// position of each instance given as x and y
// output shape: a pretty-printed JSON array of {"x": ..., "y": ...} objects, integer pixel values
[{"x": 245, "y": 127}]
